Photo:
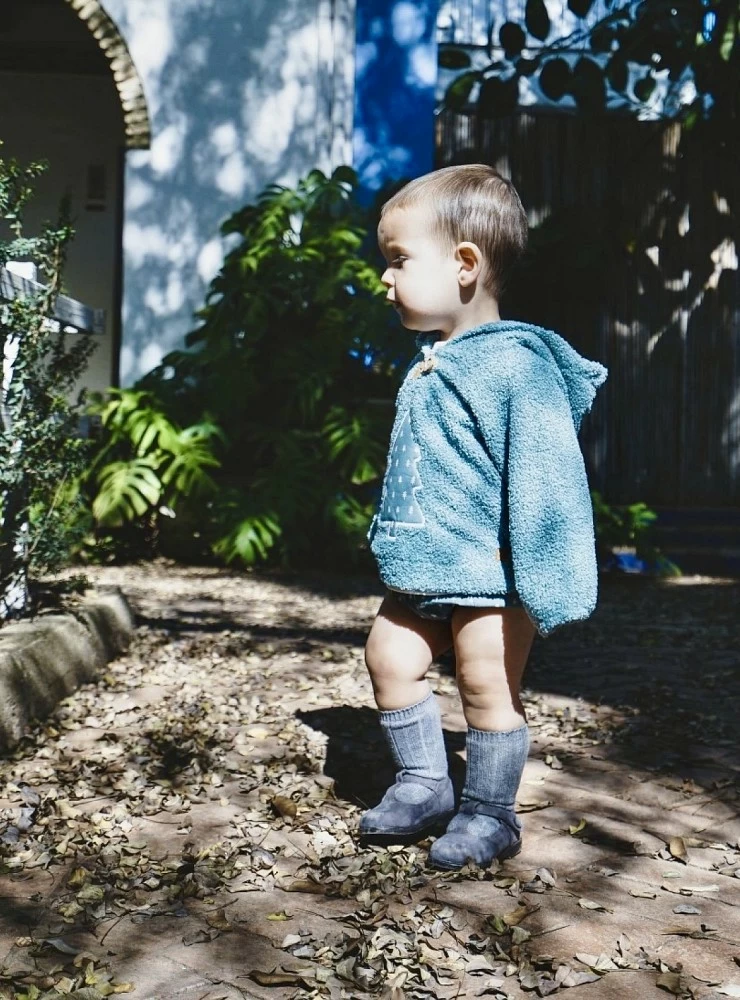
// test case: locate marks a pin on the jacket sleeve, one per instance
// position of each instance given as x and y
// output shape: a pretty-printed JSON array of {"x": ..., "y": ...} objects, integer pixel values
[{"x": 551, "y": 521}]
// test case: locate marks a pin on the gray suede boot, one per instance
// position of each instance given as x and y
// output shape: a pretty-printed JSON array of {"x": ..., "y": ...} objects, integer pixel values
[
  {"x": 422, "y": 800},
  {"x": 486, "y": 825}
]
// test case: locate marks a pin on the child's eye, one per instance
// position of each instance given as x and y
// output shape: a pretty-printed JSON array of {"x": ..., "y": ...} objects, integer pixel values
[{"x": 398, "y": 261}]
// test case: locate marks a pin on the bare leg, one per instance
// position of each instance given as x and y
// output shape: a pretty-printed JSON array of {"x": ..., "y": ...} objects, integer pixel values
[
  {"x": 491, "y": 648},
  {"x": 400, "y": 649}
]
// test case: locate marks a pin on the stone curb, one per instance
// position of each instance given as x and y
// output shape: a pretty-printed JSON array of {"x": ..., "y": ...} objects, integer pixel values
[{"x": 47, "y": 658}]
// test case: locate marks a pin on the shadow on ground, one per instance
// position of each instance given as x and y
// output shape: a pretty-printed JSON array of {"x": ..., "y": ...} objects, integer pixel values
[
  {"x": 664, "y": 653},
  {"x": 356, "y": 756}
]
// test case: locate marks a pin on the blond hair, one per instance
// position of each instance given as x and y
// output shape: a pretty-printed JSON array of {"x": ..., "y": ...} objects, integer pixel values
[{"x": 472, "y": 203}]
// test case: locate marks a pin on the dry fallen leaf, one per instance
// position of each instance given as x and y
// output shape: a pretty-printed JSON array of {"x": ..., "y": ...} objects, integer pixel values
[
  {"x": 258, "y": 732},
  {"x": 284, "y": 806},
  {"x": 306, "y": 885},
  {"x": 577, "y": 828},
  {"x": 282, "y": 915},
  {"x": 575, "y": 977},
  {"x": 589, "y": 904},
  {"x": 219, "y": 921},
  {"x": 600, "y": 963},
  {"x": 91, "y": 894},
  {"x": 643, "y": 893},
  {"x": 514, "y": 917},
  {"x": 199, "y": 936},
  {"x": 670, "y": 981},
  {"x": 677, "y": 847},
  {"x": 278, "y": 978},
  {"x": 705, "y": 933},
  {"x": 530, "y": 805},
  {"x": 545, "y": 875},
  {"x": 78, "y": 877}
]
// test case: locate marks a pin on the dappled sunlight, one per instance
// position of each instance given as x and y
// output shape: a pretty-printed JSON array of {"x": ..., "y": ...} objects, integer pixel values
[
  {"x": 151, "y": 40},
  {"x": 238, "y": 98},
  {"x": 196, "y": 810},
  {"x": 209, "y": 259},
  {"x": 696, "y": 581},
  {"x": 166, "y": 300},
  {"x": 731, "y": 433},
  {"x": 724, "y": 258},
  {"x": 167, "y": 148}
]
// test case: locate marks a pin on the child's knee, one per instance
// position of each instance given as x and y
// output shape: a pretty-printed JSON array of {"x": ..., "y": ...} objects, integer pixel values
[
  {"x": 478, "y": 681},
  {"x": 482, "y": 679},
  {"x": 390, "y": 665},
  {"x": 381, "y": 659}
]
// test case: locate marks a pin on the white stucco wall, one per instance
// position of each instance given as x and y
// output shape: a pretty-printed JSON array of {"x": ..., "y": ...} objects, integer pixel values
[{"x": 241, "y": 93}]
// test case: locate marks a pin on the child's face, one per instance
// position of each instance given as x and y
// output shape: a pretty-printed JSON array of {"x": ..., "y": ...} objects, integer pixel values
[{"x": 422, "y": 273}]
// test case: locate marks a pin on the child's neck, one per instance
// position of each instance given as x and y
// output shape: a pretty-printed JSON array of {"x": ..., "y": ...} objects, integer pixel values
[{"x": 472, "y": 315}]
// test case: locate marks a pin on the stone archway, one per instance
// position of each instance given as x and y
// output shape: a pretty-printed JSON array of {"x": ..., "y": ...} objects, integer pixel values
[{"x": 125, "y": 75}]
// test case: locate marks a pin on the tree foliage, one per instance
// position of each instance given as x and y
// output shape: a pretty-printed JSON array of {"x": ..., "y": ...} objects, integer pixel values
[{"x": 674, "y": 39}]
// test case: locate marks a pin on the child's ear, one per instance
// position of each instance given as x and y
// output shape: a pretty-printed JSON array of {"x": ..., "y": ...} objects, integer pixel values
[{"x": 470, "y": 263}]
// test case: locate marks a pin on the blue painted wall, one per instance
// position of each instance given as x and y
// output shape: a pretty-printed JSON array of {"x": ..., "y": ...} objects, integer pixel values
[{"x": 395, "y": 77}]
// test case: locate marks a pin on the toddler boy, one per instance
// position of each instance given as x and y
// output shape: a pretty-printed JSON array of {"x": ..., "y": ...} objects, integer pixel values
[{"x": 484, "y": 532}]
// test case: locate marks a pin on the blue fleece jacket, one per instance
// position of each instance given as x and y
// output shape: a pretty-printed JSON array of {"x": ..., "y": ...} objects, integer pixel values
[{"x": 485, "y": 491}]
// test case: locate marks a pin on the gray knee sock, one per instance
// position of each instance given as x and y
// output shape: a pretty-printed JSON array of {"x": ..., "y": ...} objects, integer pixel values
[
  {"x": 495, "y": 762},
  {"x": 486, "y": 825},
  {"x": 414, "y": 735}
]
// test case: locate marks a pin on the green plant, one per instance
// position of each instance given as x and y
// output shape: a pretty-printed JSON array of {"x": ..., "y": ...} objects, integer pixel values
[
  {"x": 629, "y": 527},
  {"x": 296, "y": 358},
  {"x": 41, "y": 451},
  {"x": 145, "y": 464}
]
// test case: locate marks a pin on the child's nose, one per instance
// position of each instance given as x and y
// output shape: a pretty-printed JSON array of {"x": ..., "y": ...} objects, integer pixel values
[{"x": 386, "y": 277}]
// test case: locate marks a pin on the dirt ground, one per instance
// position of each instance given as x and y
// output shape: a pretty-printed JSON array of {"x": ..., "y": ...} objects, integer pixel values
[{"x": 186, "y": 827}]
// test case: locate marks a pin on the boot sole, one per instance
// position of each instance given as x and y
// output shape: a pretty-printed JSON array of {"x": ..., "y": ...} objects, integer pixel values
[
  {"x": 510, "y": 852},
  {"x": 390, "y": 837}
]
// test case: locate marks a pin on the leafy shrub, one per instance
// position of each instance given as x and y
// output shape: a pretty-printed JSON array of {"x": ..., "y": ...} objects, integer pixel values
[
  {"x": 295, "y": 363},
  {"x": 41, "y": 452}
]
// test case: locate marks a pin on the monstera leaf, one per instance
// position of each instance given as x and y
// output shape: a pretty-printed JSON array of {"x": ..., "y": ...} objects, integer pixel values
[{"x": 127, "y": 491}]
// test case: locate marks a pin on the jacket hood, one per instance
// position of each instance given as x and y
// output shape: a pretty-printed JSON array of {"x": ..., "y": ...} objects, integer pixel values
[{"x": 582, "y": 377}]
